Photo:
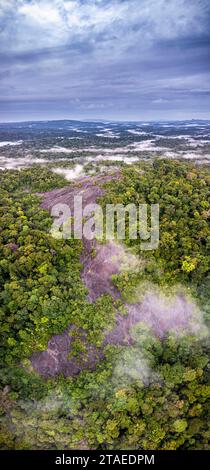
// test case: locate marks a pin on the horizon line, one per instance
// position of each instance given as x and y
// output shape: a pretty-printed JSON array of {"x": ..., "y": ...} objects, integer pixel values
[{"x": 105, "y": 120}]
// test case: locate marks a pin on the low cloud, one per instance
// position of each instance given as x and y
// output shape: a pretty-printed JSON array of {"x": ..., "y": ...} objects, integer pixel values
[{"x": 70, "y": 174}]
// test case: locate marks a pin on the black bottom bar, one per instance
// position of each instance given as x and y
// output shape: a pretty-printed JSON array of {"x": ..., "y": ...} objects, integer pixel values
[{"x": 88, "y": 459}]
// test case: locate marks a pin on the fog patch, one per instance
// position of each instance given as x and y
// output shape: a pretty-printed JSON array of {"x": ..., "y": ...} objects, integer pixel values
[
  {"x": 11, "y": 144},
  {"x": 195, "y": 156},
  {"x": 194, "y": 143},
  {"x": 128, "y": 261},
  {"x": 108, "y": 133},
  {"x": 156, "y": 316},
  {"x": 75, "y": 138},
  {"x": 147, "y": 145},
  {"x": 70, "y": 173},
  {"x": 20, "y": 163},
  {"x": 175, "y": 313},
  {"x": 136, "y": 132},
  {"x": 131, "y": 367},
  {"x": 58, "y": 149},
  {"x": 116, "y": 158},
  {"x": 76, "y": 129},
  {"x": 188, "y": 155}
]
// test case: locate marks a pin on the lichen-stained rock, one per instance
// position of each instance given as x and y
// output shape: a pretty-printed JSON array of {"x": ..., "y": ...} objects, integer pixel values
[
  {"x": 98, "y": 270},
  {"x": 56, "y": 359}
]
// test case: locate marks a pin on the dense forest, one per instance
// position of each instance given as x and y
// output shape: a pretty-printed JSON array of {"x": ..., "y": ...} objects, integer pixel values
[{"x": 42, "y": 293}]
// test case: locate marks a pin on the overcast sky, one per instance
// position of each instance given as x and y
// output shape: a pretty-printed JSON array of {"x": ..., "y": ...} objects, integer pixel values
[{"x": 108, "y": 59}]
